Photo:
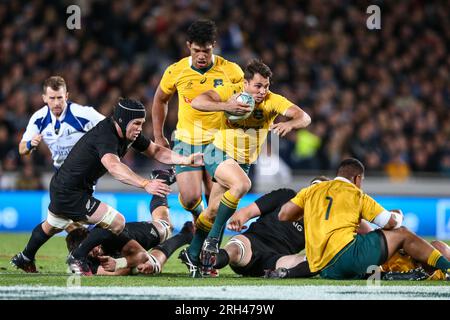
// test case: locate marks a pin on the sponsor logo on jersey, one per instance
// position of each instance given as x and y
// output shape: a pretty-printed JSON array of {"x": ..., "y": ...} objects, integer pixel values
[
  {"x": 188, "y": 85},
  {"x": 90, "y": 205},
  {"x": 258, "y": 114},
  {"x": 298, "y": 226},
  {"x": 218, "y": 82}
]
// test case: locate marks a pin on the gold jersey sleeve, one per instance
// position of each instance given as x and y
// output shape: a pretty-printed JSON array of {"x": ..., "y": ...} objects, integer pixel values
[
  {"x": 197, "y": 127},
  {"x": 243, "y": 140},
  {"x": 169, "y": 78},
  {"x": 332, "y": 213}
]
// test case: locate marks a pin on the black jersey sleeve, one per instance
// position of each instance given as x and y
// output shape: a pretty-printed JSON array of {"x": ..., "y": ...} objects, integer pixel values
[
  {"x": 141, "y": 143},
  {"x": 270, "y": 201},
  {"x": 106, "y": 144}
]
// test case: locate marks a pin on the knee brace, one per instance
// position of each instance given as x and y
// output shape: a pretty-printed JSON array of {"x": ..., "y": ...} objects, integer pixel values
[
  {"x": 165, "y": 232},
  {"x": 108, "y": 218},
  {"x": 241, "y": 247}
]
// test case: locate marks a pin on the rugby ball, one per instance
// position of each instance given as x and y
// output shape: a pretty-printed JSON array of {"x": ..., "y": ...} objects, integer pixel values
[{"x": 245, "y": 98}]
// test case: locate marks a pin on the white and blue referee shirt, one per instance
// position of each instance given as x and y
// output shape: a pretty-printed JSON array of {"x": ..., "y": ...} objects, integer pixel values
[{"x": 62, "y": 134}]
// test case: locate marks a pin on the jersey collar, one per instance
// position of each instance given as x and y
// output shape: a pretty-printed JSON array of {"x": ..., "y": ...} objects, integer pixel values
[
  {"x": 63, "y": 113},
  {"x": 343, "y": 179},
  {"x": 204, "y": 70}
]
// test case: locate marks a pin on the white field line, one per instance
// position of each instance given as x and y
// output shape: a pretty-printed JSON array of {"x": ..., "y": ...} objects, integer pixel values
[{"x": 229, "y": 293}]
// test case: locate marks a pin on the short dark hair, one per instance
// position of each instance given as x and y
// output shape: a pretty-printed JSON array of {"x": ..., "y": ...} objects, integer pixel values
[
  {"x": 319, "y": 178},
  {"x": 54, "y": 82},
  {"x": 257, "y": 66},
  {"x": 350, "y": 168},
  {"x": 202, "y": 32},
  {"x": 75, "y": 237}
]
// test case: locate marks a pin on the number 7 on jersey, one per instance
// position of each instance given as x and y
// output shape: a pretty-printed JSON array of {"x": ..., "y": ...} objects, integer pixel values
[{"x": 329, "y": 207}]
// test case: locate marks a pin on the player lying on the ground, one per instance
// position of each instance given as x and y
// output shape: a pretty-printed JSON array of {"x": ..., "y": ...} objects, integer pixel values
[{"x": 113, "y": 257}]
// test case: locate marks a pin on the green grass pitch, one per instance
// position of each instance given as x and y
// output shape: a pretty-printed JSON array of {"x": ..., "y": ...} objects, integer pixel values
[{"x": 53, "y": 271}]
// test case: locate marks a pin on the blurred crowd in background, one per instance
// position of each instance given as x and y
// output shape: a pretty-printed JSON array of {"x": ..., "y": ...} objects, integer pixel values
[{"x": 382, "y": 96}]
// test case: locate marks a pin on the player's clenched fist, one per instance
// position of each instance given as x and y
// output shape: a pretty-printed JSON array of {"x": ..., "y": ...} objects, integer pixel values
[{"x": 36, "y": 140}]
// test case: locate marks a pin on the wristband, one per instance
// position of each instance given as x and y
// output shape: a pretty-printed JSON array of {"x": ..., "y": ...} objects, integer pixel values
[
  {"x": 29, "y": 146},
  {"x": 121, "y": 263},
  {"x": 145, "y": 183}
]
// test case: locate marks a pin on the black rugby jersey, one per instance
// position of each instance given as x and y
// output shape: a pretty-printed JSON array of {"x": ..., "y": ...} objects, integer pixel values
[
  {"x": 83, "y": 166},
  {"x": 143, "y": 232},
  {"x": 282, "y": 236}
]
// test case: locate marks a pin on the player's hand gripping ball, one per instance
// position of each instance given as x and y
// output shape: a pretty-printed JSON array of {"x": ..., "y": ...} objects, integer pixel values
[{"x": 246, "y": 98}]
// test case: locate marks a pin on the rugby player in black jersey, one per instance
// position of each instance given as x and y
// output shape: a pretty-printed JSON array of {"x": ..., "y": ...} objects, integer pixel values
[
  {"x": 117, "y": 257},
  {"x": 120, "y": 255},
  {"x": 97, "y": 152}
]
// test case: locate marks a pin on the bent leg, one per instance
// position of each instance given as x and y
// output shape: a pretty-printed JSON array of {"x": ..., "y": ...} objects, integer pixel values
[
  {"x": 190, "y": 186},
  {"x": 205, "y": 222},
  {"x": 290, "y": 261},
  {"x": 44, "y": 231},
  {"x": 292, "y": 266},
  {"x": 239, "y": 250},
  {"x": 111, "y": 223},
  {"x": 108, "y": 218},
  {"x": 442, "y": 247},
  {"x": 229, "y": 175},
  {"x": 416, "y": 247},
  {"x": 208, "y": 183}
]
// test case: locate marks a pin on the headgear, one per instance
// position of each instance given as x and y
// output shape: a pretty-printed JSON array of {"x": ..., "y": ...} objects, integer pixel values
[{"x": 126, "y": 111}]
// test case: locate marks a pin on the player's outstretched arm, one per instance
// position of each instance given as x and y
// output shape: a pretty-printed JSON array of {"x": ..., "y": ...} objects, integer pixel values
[
  {"x": 167, "y": 156},
  {"x": 124, "y": 174},
  {"x": 119, "y": 272},
  {"x": 133, "y": 255},
  {"x": 159, "y": 113}
]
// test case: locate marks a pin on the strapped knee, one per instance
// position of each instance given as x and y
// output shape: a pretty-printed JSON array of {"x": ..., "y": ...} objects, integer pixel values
[
  {"x": 108, "y": 218},
  {"x": 241, "y": 247},
  {"x": 165, "y": 232}
]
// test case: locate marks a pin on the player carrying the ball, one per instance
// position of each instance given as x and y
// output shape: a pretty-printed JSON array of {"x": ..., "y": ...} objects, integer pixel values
[
  {"x": 189, "y": 77},
  {"x": 236, "y": 146}
]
